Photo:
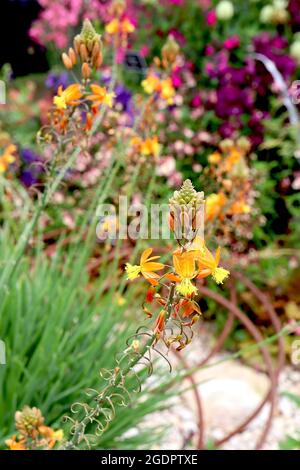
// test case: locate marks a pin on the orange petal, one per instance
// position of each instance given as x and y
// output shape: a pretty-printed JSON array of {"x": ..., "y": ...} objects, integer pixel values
[
  {"x": 172, "y": 277},
  {"x": 151, "y": 266},
  {"x": 145, "y": 255}
]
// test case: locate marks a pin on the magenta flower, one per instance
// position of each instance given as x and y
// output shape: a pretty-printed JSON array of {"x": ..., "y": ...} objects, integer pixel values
[
  {"x": 232, "y": 42},
  {"x": 211, "y": 18}
]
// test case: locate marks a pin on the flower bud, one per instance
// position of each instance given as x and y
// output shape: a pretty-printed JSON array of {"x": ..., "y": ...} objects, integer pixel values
[
  {"x": 86, "y": 71},
  {"x": 295, "y": 51},
  {"x": 66, "y": 61},
  {"x": 266, "y": 14},
  {"x": 187, "y": 211},
  {"x": 170, "y": 51},
  {"x": 226, "y": 145},
  {"x": 83, "y": 52},
  {"x": 225, "y": 10},
  {"x": 88, "y": 45},
  {"x": 72, "y": 56},
  {"x": 117, "y": 8},
  {"x": 244, "y": 144}
]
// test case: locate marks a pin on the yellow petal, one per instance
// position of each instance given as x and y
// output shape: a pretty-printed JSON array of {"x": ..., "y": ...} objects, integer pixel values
[
  {"x": 220, "y": 274},
  {"x": 133, "y": 271}
]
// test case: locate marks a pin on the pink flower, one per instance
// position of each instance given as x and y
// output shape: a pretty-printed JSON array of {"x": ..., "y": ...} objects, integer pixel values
[
  {"x": 144, "y": 50},
  {"x": 209, "y": 49},
  {"x": 232, "y": 42},
  {"x": 196, "y": 101},
  {"x": 211, "y": 18}
]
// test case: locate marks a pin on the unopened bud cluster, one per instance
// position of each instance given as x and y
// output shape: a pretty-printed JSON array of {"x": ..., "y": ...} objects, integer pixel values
[
  {"x": 186, "y": 211},
  {"x": 87, "y": 50}
]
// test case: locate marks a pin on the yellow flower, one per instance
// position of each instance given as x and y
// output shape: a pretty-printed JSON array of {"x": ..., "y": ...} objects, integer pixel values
[
  {"x": 126, "y": 26},
  {"x": 117, "y": 26},
  {"x": 7, "y": 157},
  {"x": 185, "y": 267},
  {"x": 167, "y": 90},
  {"x": 150, "y": 146},
  {"x": 101, "y": 96},
  {"x": 214, "y": 158},
  {"x": 69, "y": 96},
  {"x": 112, "y": 27},
  {"x": 147, "y": 268},
  {"x": 151, "y": 84},
  {"x": 209, "y": 265}
]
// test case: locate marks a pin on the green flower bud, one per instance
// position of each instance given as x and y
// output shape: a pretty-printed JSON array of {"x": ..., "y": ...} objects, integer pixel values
[{"x": 225, "y": 10}]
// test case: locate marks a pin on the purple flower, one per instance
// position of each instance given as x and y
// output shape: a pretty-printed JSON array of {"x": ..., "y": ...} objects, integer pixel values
[
  {"x": 31, "y": 168},
  {"x": 54, "y": 80}
]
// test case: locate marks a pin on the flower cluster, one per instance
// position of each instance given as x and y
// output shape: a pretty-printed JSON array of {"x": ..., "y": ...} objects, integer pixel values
[
  {"x": 230, "y": 210},
  {"x": 192, "y": 260},
  {"x": 77, "y": 105},
  {"x": 159, "y": 79},
  {"x": 32, "y": 432}
]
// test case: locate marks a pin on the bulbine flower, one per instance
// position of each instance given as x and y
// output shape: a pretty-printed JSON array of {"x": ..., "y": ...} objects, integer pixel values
[
  {"x": 67, "y": 97},
  {"x": 147, "y": 268},
  {"x": 117, "y": 26},
  {"x": 192, "y": 260},
  {"x": 101, "y": 96},
  {"x": 33, "y": 434},
  {"x": 162, "y": 87},
  {"x": 209, "y": 265},
  {"x": 186, "y": 270},
  {"x": 148, "y": 147}
]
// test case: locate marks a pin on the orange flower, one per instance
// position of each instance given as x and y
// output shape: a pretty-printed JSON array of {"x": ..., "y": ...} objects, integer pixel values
[
  {"x": 209, "y": 265},
  {"x": 7, "y": 157},
  {"x": 232, "y": 159},
  {"x": 239, "y": 207},
  {"x": 101, "y": 96},
  {"x": 214, "y": 205},
  {"x": 186, "y": 308},
  {"x": 67, "y": 97},
  {"x": 185, "y": 268},
  {"x": 160, "y": 323},
  {"x": 13, "y": 444},
  {"x": 214, "y": 158},
  {"x": 147, "y": 268}
]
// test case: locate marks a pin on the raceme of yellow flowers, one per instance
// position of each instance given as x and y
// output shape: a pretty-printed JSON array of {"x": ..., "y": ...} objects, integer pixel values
[
  {"x": 87, "y": 51},
  {"x": 32, "y": 432},
  {"x": 192, "y": 260}
]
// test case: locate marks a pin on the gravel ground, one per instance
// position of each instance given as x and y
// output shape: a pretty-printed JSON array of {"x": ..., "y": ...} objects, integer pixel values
[{"x": 229, "y": 392}]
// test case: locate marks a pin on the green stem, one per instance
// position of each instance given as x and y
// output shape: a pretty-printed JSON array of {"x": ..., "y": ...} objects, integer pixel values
[{"x": 121, "y": 375}]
